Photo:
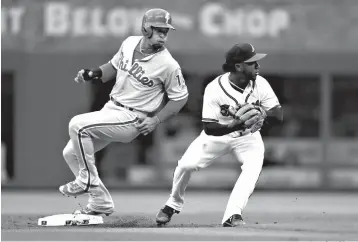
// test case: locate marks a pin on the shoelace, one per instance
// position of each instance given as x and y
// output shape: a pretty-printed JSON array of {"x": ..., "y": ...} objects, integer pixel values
[{"x": 74, "y": 186}]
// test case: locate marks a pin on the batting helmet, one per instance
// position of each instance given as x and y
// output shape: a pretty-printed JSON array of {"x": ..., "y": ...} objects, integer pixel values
[{"x": 156, "y": 17}]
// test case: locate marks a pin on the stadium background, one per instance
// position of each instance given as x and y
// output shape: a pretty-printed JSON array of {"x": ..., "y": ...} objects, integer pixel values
[{"x": 311, "y": 46}]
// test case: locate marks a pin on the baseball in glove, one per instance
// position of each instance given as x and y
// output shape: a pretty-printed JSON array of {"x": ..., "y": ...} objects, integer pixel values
[{"x": 253, "y": 116}]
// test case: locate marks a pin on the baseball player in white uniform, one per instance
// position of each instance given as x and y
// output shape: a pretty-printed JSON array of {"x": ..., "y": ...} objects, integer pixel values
[
  {"x": 224, "y": 133},
  {"x": 145, "y": 73}
]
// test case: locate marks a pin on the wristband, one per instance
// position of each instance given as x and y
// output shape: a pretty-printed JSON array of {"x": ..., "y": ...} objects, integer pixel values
[{"x": 96, "y": 74}]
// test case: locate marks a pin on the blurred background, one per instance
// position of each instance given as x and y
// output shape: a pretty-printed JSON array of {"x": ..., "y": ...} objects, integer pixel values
[{"x": 312, "y": 49}]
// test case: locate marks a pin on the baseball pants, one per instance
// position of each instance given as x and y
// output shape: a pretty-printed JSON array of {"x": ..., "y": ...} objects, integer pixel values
[
  {"x": 202, "y": 152},
  {"x": 91, "y": 132}
]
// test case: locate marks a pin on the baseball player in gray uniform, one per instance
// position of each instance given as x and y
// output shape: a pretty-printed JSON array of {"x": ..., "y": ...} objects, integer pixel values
[
  {"x": 230, "y": 100},
  {"x": 145, "y": 73}
]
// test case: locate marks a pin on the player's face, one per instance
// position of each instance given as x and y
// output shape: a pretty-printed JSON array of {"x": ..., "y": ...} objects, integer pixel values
[
  {"x": 159, "y": 37},
  {"x": 251, "y": 69}
]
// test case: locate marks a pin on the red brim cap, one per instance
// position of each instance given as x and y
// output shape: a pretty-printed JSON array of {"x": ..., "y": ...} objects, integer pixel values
[
  {"x": 163, "y": 25},
  {"x": 256, "y": 57}
]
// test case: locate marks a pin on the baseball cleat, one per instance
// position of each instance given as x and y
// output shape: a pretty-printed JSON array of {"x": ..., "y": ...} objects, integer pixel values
[
  {"x": 72, "y": 189},
  {"x": 164, "y": 215},
  {"x": 234, "y": 221},
  {"x": 89, "y": 211}
]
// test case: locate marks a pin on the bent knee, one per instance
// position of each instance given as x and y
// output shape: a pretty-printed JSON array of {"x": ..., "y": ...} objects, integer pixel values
[
  {"x": 187, "y": 166},
  {"x": 75, "y": 124},
  {"x": 68, "y": 152}
]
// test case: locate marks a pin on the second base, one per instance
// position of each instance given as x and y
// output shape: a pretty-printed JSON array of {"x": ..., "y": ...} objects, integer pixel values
[{"x": 70, "y": 220}]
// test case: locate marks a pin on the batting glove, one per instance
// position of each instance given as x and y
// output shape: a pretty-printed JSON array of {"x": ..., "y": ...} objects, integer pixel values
[{"x": 88, "y": 75}]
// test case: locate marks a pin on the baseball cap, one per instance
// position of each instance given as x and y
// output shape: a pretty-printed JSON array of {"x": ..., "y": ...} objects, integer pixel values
[{"x": 244, "y": 52}]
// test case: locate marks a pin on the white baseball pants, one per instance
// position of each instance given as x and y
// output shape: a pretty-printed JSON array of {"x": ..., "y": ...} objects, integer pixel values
[
  {"x": 91, "y": 132},
  {"x": 202, "y": 152}
]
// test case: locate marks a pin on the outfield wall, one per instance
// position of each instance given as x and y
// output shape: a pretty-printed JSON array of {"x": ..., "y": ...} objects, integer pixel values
[{"x": 311, "y": 50}]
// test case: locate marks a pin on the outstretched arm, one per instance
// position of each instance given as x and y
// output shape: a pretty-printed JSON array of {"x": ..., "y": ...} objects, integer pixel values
[
  {"x": 104, "y": 73},
  {"x": 108, "y": 72}
]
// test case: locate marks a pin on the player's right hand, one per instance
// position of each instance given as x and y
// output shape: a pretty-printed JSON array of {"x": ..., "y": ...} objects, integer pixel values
[
  {"x": 147, "y": 125},
  {"x": 83, "y": 76}
]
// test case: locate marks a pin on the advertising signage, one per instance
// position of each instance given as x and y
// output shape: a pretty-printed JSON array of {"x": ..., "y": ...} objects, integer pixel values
[{"x": 94, "y": 25}]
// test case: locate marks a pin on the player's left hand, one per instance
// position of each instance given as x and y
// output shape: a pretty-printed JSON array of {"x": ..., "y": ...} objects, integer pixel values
[{"x": 147, "y": 125}]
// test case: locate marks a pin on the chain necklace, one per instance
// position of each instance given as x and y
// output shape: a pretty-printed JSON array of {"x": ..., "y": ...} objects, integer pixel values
[
  {"x": 141, "y": 49},
  {"x": 236, "y": 86},
  {"x": 146, "y": 54}
]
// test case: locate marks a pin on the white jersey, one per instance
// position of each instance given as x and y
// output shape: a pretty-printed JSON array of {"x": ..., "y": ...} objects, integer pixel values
[
  {"x": 220, "y": 93},
  {"x": 142, "y": 84}
]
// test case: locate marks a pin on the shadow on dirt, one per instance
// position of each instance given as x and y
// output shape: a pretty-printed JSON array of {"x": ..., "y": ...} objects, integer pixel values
[{"x": 9, "y": 222}]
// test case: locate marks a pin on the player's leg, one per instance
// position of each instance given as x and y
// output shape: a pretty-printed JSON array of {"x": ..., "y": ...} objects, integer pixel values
[
  {"x": 250, "y": 152},
  {"x": 100, "y": 200},
  {"x": 200, "y": 154},
  {"x": 105, "y": 125},
  {"x": 71, "y": 158}
]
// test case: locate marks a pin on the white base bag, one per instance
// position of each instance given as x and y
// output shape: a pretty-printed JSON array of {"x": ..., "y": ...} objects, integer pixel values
[{"x": 70, "y": 220}]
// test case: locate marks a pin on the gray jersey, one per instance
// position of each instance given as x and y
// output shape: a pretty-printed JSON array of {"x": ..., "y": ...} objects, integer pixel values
[{"x": 142, "y": 84}]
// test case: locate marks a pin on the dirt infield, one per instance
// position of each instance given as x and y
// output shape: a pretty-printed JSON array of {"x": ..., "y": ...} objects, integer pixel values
[{"x": 269, "y": 216}]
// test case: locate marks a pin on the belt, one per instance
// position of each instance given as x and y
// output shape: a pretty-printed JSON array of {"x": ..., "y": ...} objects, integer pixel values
[
  {"x": 121, "y": 105},
  {"x": 239, "y": 133}
]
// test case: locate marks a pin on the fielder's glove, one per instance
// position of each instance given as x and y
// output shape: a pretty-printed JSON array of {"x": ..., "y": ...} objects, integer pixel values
[
  {"x": 85, "y": 75},
  {"x": 253, "y": 116}
]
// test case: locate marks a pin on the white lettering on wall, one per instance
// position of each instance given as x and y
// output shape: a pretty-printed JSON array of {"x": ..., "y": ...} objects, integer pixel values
[
  {"x": 63, "y": 19},
  {"x": 12, "y": 19},
  {"x": 79, "y": 22},
  {"x": 207, "y": 17},
  {"x": 256, "y": 23},
  {"x": 99, "y": 28},
  {"x": 216, "y": 19},
  {"x": 56, "y": 19},
  {"x": 118, "y": 22},
  {"x": 280, "y": 20}
]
